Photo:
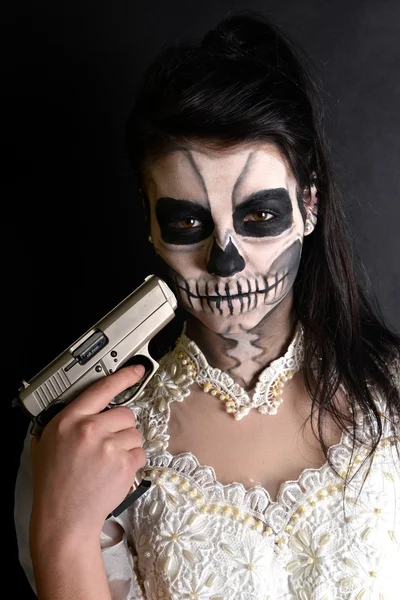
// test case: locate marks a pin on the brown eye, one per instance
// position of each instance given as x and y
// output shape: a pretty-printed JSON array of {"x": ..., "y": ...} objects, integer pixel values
[
  {"x": 259, "y": 216},
  {"x": 189, "y": 223}
]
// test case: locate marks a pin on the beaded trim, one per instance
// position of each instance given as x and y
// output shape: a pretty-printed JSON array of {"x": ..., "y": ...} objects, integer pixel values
[
  {"x": 161, "y": 476},
  {"x": 268, "y": 394}
]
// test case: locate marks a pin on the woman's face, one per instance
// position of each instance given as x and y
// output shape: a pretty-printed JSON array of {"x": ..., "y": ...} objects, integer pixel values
[{"x": 228, "y": 226}]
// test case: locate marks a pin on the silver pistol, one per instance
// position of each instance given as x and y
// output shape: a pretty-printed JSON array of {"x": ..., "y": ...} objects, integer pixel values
[{"x": 120, "y": 338}]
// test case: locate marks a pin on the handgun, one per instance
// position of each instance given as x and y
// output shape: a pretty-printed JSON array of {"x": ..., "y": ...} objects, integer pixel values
[{"x": 120, "y": 338}]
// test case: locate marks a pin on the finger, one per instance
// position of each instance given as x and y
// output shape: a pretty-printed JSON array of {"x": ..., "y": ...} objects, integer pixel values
[
  {"x": 138, "y": 457},
  {"x": 98, "y": 396},
  {"x": 127, "y": 439},
  {"x": 117, "y": 419}
]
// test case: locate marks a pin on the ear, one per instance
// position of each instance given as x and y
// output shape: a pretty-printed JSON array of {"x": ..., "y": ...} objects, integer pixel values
[{"x": 310, "y": 199}]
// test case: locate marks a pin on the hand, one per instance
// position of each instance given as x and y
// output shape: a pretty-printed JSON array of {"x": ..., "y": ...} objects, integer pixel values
[{"x": 86, "y": 460}]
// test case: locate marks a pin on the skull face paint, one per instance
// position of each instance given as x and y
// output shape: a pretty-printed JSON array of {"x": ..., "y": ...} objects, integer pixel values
[{"x": 228, "y": 226}]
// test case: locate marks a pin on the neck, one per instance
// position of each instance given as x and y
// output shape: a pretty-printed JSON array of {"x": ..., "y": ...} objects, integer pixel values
[{"x": 244, "y": 355}]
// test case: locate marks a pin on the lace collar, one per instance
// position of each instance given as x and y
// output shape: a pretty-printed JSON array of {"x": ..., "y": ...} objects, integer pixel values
[{"x": 268, "y": 393}]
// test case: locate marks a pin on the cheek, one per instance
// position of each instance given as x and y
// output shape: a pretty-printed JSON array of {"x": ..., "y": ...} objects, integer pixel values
[
  {"x": 282, "y": 273},
  {"x": 189, "y": 261},
  {"x": 261, "y": 254},
  {"x": 287, "y": 264}
]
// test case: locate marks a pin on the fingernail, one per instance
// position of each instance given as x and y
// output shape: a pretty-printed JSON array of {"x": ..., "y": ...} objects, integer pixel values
[{"x": 139, "y": 370}]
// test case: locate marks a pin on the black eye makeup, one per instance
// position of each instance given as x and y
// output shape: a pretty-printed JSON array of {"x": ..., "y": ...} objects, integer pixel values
[
  {"x": 183, "y": 222},
  {"x": 265, "y": 213}
]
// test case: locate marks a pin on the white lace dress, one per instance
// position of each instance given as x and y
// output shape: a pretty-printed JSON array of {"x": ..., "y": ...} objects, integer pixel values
[{"x": 189, "y": 536}]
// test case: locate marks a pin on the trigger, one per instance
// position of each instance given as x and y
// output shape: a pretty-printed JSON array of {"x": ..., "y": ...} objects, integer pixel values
[{"x": 127, "y": 394}]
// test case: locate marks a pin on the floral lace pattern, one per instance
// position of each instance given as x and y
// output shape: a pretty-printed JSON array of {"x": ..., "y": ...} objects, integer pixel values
[{"x": 321, "y": 539}]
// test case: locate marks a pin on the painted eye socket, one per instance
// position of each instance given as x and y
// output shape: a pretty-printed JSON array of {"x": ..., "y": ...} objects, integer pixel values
[
  {"x": 259, "y": 216},
  {"x": 188, "y": 223}
]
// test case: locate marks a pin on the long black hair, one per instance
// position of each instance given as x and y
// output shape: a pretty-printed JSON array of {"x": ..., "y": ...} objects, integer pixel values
[{"x": 247, "y": 81}]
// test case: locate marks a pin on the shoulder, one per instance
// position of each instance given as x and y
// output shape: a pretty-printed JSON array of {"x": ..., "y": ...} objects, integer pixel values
[{"x": 387, "y": 401}]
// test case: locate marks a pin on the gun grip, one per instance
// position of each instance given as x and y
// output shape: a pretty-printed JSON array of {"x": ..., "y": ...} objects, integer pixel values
[{"x": 130, "y": 498}]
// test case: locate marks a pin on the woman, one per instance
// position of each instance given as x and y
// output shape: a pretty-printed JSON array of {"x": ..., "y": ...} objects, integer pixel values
[{"x": 271, "y": 428}]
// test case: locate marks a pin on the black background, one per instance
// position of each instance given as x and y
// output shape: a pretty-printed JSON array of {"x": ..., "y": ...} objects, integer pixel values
[{"x": 75, "y": 243}]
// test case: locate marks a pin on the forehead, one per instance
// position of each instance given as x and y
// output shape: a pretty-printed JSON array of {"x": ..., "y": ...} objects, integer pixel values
[{"x": 197, "y": 172}]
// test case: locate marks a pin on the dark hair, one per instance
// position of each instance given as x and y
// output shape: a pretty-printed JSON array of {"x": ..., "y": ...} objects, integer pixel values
[{"x": 246, "y": 81}]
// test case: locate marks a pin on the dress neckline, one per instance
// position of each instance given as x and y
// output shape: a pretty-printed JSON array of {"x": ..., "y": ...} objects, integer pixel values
[
  {"x": 292, "y": 497},
  {"x": 153, "y": 410}
]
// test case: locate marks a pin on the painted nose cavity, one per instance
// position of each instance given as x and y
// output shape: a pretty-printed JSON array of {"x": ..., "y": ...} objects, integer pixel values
[{"x": 225, "y": 262}]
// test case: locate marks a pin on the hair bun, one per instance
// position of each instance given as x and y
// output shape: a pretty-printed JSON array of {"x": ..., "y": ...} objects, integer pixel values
[
  {"x": 251, "y": 37},
  {"x": 240, "y": 36}
]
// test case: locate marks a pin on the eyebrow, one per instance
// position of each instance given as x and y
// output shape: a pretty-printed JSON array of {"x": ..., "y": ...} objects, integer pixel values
[
  {"x": 277, "y": 194},
  {"x": 182, "y": 203},
  {"x": 280, "y": 194}
]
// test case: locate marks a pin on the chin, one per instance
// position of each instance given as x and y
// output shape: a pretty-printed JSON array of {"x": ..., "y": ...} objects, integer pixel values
[{"x": 232, "y": 319}]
